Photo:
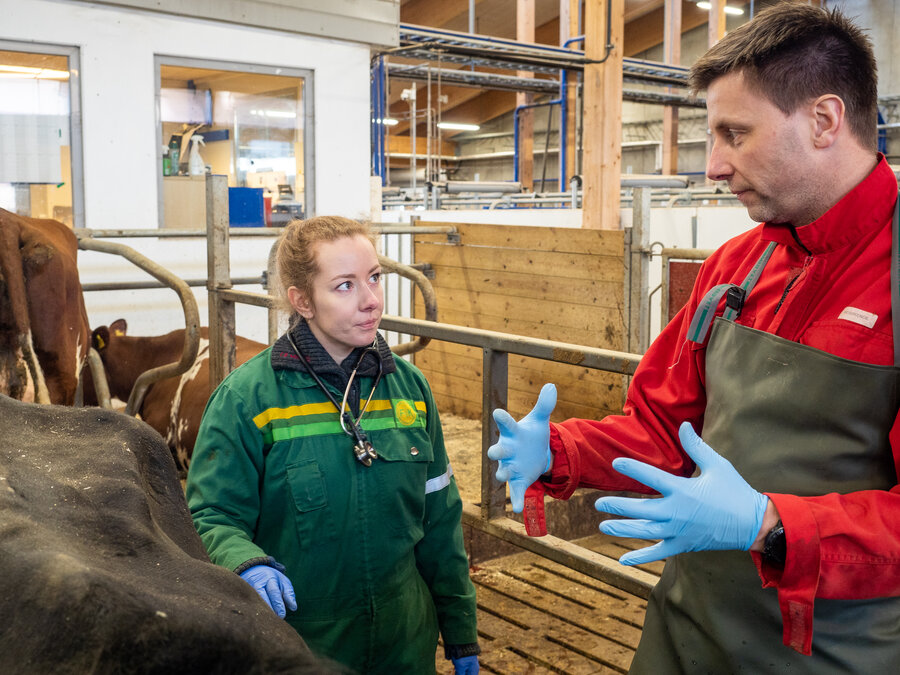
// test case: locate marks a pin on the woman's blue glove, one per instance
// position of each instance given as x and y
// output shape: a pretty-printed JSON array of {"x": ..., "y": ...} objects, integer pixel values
[
  {"x": 273, "y": 587},
  {"x": 466, "y": 665},
  {"x": 714, "y": 511},
  {"x": 523, "y": 450}
]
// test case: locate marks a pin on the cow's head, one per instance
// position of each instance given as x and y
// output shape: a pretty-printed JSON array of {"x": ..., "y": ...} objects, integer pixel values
[{"x": 100, "y": 337}]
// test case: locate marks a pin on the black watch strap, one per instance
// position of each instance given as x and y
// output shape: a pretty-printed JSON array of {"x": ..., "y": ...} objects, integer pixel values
[{"x": 775, "y": 546}]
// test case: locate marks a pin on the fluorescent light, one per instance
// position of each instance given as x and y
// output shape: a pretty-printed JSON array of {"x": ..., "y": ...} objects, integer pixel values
[
  {"x": 388, "y": 122},
  {"x": 274, "y": 113},
  {"x": 37, "y": 73},
  {"x": 458, "y": 126},
  {"x": 728, "y": 10}
]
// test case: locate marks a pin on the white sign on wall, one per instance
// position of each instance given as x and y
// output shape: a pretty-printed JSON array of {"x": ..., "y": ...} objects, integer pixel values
[{"x": 31, "y": 147}]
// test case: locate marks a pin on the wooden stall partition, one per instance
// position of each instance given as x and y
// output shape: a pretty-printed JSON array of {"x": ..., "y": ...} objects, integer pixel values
[{"x": 551, "y": 283}]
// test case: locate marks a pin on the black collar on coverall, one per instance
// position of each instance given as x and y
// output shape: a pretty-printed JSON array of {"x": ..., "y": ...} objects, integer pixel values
[{"x": 284, "y": 358}]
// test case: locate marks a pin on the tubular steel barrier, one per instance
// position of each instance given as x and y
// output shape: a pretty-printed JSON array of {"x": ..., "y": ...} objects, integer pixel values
[{"x": 491, "y": 516}]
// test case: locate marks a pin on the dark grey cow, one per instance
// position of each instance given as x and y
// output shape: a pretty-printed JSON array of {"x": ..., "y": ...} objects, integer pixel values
[{"x": 101, "y": 570}]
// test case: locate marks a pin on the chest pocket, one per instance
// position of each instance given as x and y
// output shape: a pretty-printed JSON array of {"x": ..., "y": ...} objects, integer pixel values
[
  {"x": 400, "y": 472},
  {"x": 312, "y": 515},
  {"x": 851, "y": 341}
]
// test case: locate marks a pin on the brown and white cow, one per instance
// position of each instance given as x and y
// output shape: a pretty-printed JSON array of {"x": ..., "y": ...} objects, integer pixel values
[
  {"x": 43, "y": 323},
  {"x": 172, "y": 406}
]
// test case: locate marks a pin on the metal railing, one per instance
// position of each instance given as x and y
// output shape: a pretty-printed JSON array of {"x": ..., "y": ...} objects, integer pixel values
[{"x": 496, "y": 347}]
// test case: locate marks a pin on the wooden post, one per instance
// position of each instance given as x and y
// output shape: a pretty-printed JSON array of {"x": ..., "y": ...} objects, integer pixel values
[
  {"x": 496, "y": 375},
  {"x": 568, "y": 28},
  {"x": 715, "y": 32},
  {"x": 525, "y": 33},
  {"x": 218, "y": 276},
  {"x": 602, "y": 123},
  {"x": 672, "y": 56}
]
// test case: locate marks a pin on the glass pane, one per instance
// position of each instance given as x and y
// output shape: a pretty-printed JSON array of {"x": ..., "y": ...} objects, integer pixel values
[
  {"x": 36, "y": 164},
  {"x": 252, "y": 129}
]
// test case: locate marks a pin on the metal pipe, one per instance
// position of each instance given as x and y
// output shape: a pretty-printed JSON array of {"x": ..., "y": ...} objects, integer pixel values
[
  {"x": 168, "y": 234},
  {"x": 141, "y": 285},
  {"x": 188, "y": 304},
  {"x": 516, "y": 131},
  {"x": 458, "y": 186}
]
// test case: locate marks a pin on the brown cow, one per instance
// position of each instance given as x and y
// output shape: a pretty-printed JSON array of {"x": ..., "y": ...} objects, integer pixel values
[
  {"x": 43, "y": 323},
  {"x": 172, "y": 406}
]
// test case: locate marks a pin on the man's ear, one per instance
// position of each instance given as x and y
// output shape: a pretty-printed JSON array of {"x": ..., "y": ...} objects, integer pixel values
[
  {"x": 829, "y": 114},
  {"x": 300, "y": 302}
]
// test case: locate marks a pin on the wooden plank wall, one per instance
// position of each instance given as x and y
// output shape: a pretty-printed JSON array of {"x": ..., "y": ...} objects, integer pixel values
[{"x": 551, "y": 283}]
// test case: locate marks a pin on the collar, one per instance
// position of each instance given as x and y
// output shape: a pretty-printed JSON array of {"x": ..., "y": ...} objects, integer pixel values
[
  {"x": 866, "y": 207},
  {"x": 283, "y": 357}
]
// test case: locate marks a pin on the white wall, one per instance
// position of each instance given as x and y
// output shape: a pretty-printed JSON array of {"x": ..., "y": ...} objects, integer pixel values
[{"x": 121, "y": 160}]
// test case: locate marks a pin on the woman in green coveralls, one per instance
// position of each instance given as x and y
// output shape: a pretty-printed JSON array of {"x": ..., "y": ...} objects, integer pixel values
[{"x": 348, "y": 526}]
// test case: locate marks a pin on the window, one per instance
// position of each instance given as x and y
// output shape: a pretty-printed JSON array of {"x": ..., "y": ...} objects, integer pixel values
[
  {"x": 40, "y": 137},
  {"x": 255, "y": 127}
]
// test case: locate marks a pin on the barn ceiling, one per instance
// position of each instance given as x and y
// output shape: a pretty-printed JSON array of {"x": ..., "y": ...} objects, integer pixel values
[{"x": 643, "y": 20}]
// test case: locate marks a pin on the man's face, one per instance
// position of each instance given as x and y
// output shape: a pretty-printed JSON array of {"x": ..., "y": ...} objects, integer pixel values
[{"x": 762, "y": 153}]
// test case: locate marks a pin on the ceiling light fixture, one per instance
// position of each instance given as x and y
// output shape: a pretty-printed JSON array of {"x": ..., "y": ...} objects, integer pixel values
[
  {"x": 458, "y": 126},
  {"x": 388, "y": 122},
  {"x": 36, "y": 73},
  {"x": 728, "y": 10}
]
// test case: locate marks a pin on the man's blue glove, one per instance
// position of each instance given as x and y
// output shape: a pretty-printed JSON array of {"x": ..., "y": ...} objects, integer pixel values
[
  {"x": 523, "y": 451},
  {"x": 466, "y": 665},
  {"x": 714, "y": 511},
  {"x": 273, "y": 587}
]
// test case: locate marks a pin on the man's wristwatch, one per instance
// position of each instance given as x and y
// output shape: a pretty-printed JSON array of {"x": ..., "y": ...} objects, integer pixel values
[{"x": 775, "y": 546}]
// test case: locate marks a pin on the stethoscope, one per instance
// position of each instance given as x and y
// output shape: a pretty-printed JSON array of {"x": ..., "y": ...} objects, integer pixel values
[{"x": 362, "y": 446}]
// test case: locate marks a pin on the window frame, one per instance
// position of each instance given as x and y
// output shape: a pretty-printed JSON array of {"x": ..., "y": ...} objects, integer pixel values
[
  {"x": 76, "y": 155},
  {"x": 308, "y": 77}
]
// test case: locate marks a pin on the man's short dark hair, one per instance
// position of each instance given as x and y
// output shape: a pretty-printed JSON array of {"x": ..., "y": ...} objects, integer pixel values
[{"x": 792, "y": 53}]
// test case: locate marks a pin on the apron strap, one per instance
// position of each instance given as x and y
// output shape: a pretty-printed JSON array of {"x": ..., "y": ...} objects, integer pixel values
[
  {"x": 895, "y": 280},
  {"x": 734, "y": 299}
]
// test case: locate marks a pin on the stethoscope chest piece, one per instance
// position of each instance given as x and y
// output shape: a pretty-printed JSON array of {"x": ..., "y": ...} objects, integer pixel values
[{"x": 362, "y": 447}]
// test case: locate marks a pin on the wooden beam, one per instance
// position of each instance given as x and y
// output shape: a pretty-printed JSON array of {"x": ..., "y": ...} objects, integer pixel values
[
  {"x": 715, "y": 32},
  {"x": 403, "y": 144},
  {"x": 525, "y": 33},
  {"x": 431, "y": 13},
  {"x": 568, "y": 28},
  {"x": 672, "y": 56},
  {"x": 716, "y": 21},
  {"x": 648, "y": 30},
  {"x": 602, "y": 123}
]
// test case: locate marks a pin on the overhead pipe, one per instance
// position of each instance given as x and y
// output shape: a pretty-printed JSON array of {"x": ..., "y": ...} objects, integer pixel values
[{"x": 564, "y": 113}]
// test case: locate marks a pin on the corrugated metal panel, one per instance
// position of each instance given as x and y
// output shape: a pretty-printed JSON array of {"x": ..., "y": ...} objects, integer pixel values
[{"x": 374, "y": 22}]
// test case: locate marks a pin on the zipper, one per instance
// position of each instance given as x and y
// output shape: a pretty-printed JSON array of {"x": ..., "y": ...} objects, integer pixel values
[
  {"x": 790, "y": 286},
  {"x": 806, "y": 263}
]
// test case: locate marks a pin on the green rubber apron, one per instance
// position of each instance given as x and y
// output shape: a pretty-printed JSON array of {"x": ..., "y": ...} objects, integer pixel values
[{"x": 793, "y": 420}]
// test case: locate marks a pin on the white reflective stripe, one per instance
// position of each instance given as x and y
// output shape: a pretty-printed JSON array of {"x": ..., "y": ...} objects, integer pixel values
[{"x": 439, "y": 482}]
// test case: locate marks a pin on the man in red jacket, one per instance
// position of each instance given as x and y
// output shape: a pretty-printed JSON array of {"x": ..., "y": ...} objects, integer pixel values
[{"x": 794, "y": 385}]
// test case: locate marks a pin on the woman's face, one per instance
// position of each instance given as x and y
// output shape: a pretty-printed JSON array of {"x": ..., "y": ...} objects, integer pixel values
[{"x": 347, "y": 298}]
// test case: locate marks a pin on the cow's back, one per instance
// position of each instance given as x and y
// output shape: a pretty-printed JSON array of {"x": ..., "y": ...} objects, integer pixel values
[{"x": 101, "y": 569}]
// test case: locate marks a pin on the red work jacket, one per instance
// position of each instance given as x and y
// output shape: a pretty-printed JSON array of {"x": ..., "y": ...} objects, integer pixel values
[{"x": 827, "y": 285}]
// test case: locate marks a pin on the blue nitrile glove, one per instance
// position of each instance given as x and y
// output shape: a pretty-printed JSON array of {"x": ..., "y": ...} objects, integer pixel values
[
  {"x": 466, "y": 665},
  {"x": 714, "y": 511},
  {"x": 523, "y": 451},
  {"x": 273, "y": 587}
]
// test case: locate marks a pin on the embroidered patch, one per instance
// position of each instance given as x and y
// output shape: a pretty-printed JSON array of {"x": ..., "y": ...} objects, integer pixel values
[
  {"x": 406, "y": 413},
  {"x": 859, "y": 316}
]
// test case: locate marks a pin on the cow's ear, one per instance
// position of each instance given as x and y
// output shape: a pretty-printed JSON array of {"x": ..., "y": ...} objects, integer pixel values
[
  {"x": 119, "y": 327},
  {"x": 100, "y": 338}
]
